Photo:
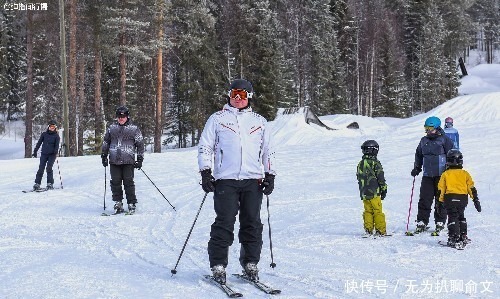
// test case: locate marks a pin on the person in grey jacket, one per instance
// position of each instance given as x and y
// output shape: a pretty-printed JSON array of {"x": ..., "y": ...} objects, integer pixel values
[
  {"x": 121, "y": 141},
  {"x": 49, "y": 140},
  {"x": 431, "y": 156},
  {"x": 235, "y": 143}
]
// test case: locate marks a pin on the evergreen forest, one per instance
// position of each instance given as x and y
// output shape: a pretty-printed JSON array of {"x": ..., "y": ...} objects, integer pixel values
[{"x": 171, "y": 61}]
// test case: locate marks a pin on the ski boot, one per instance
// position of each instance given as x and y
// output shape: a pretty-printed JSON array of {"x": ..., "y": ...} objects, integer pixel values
[
  {"x": 465, "y": 239},
  {"x": 421, "y": 227},
  {"x": 50, "y": 186},
  {"x": 251, "y": 271},
  {"x": 380, "y": 234},
  {"x": 131, "y": 208},
  {"x": 219, "y": 274},
  {"x": 439, "y": 228},
  {"x": 118, "y": 207},
  {"x": 368, "y": 233},
  {"x": 36, "y": 187},
  {"x": 455, "y": 242}
]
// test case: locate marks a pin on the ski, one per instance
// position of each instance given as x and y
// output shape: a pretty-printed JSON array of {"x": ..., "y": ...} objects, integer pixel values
[
  {"x": 459, "y": 245},
  {"x": 128, "y": 213},
  {"x": 224, "y": 287},
  {"x": 417, "y": 232},
  {"x": 258, "y": 284},
  {"x": 38, "y": 190},
  {"x": 375, "y": 236},
  {"x": 112, "y": 214}
]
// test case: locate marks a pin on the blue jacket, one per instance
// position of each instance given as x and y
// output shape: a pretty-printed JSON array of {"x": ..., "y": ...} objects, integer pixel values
[
  {"x": 452, "y": 133},
  {"x": 431, "y": 153},
  {"x": 49, "y": 141}
]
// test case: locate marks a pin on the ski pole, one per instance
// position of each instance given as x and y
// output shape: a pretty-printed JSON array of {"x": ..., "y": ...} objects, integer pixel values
[
  {"x": 174, "y": 271},
  {"x": 272, "y": 265},
  {"x": 104, "y": 198},
  {"x": 409, "y": 209},
  {"x": 158, "y": 190},
  {"x": 59, "y": 170}
]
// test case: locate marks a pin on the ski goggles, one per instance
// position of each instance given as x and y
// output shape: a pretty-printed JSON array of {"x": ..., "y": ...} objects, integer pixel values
[
  {"x": 428, "y": 128},
  {"x": 243, "y": 94}
]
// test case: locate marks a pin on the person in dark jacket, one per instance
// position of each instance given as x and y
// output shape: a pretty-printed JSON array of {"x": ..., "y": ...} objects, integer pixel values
[
  {"x": 431, "y": 156},
  {"x": 121, "y": 141},
  {"x": 49, "y": 140}
]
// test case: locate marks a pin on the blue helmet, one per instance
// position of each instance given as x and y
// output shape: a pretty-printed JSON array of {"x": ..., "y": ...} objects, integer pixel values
[{"x": 432, "y": 121}]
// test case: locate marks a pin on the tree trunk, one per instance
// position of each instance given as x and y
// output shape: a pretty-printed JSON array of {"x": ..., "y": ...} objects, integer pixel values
[
  {"x": 73, "y": 146},
  {"x": 81, "y": 103},
  {"x": 123, "y": 72},
  {"x": 159, "y": 87},
  {"x": 98, "y": 116},
  {"x": 370, "y": 100},
  {"x": 28, "y": 134}
]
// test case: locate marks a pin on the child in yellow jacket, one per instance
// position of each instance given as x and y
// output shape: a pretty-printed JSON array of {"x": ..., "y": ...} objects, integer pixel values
[{"x": 455, "y": 185}]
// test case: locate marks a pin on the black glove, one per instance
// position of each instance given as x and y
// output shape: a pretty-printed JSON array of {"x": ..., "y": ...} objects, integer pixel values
[
  {"x": 138, "y": 163},
  {"x": 383, "y": 193},
  {"x": 440, "y": 209},
  {"x": 207, "y": 180},
  {"x": 477, "y": 204},
  {"x": 268, "y": 184},
  {"x": 104, "y": 158},
  {"x": 34, "y": 154},
  {"x": 416, "y": 171}
]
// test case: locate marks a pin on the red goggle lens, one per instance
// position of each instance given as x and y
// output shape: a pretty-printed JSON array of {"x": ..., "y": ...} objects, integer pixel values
[{"x": 239, "y": 92}]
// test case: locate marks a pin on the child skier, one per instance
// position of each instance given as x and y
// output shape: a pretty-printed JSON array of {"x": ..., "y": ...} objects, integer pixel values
[
  {"x": 454, "y": 186},
  {"x": 372, "y": 188}
]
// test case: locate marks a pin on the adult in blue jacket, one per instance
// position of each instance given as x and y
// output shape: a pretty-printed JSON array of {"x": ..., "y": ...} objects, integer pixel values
[
  {"x": 49, "y": 140},
  {"x": 451, "y": 132},
  {"x": 431, "y": 157}
]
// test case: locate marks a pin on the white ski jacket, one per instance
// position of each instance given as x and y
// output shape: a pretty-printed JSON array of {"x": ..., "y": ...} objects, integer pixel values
[{"x": 240, "y": 142}]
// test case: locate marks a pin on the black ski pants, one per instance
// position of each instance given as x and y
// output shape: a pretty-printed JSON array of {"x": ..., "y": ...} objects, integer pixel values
[
  {"x": 231, "y": 196},
  {"x": 455, "y": 207},
  {"x": 428, "y": 195},
  {"x": 122, "y": 173},
  {"x": 46, "y": 160}
]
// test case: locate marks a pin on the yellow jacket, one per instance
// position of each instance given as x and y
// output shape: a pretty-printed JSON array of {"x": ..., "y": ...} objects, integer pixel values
[{"x": 455, "y": 181}]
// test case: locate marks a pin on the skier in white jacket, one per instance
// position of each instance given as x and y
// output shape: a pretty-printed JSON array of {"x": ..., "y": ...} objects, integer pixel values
[{"x": 235, "y": 143}]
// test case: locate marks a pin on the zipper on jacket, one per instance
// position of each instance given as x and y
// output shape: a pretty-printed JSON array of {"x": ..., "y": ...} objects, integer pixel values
[{"x": 221, "y": 157}]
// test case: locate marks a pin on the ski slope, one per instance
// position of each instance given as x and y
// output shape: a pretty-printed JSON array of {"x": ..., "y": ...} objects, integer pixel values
[{"x": 56, "y": 245}]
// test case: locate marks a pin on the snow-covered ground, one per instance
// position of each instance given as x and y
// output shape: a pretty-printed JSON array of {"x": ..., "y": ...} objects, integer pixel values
[{"x": 56, "y": 244}]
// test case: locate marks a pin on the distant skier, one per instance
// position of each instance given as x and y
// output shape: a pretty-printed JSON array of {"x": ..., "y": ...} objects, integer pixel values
[
  {"x": 372, "y": 188},
  {"x": 431, "y": 155},
  {"x": 49, "y": 140},
  {"x": 121, "y": 140},
  {"x": 454, "y": 186},
  {"x": 451, "y": 132}
]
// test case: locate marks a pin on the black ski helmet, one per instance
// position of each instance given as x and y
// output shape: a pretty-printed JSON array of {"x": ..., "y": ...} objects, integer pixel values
[
  {"x": 454, "y": 158},
  {"x": 370, "y": 147},
  {"x": 242, "y": 84},
  {"x": 122, "y": 111}
]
